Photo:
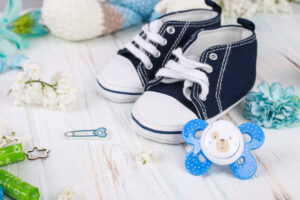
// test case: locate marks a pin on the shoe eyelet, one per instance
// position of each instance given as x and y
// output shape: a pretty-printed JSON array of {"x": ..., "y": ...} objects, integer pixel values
[
  {"x": 157, "y": 54},
  {"x": 202, "y": 99},
  {"x": 164, "y": 43},
  {"x": 149, "y": 66},
  {"x": 171, "y": 30},
  {"x": 213, "y": 56}
]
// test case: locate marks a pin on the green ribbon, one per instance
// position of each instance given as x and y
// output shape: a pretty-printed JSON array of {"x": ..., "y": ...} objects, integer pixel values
[
  {"x": 11, "y": 154},
  {"x": 16, "y": 188}
]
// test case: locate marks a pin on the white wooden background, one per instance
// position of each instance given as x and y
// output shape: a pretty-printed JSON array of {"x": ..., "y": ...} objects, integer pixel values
[{"x": 108, "y": 170}]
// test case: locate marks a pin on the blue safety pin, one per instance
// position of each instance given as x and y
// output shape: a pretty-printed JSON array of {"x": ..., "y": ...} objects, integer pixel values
[{"x": 99, "y": 133}]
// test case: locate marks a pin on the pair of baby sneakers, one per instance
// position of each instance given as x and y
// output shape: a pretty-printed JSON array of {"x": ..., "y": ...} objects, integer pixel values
[{"x": 182, "y": 66}]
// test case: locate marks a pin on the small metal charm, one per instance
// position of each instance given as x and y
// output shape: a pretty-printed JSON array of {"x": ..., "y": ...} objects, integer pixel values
[
  {"x": 100, "y": 133},
  {"x": 32, "y": 157}
]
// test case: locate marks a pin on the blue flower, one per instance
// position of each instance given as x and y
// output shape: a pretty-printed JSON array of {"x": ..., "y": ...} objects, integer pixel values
[
  {"x": 3, "y": 66},
  {"x": 15, "y": 30},
  {"x": 272, "y": 106}
]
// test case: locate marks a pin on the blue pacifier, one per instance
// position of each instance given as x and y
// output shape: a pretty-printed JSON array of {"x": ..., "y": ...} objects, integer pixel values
[{"x": 222, "y": 143}]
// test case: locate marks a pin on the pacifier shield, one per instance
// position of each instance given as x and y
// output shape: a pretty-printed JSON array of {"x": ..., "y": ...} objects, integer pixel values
[{"x": 222, "y": 142}]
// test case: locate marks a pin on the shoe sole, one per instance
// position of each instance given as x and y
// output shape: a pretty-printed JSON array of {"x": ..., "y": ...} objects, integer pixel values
[
  {"x": 117, "y": 96},
  {"x": 173, "y": 137}
]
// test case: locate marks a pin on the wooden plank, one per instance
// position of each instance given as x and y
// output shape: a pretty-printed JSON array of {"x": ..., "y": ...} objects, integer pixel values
[{"x": 109, "y": 170}]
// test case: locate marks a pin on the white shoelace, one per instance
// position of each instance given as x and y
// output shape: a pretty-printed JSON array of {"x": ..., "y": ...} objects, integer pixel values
[
  {"x": 188, "y": 71},
  {"x": 144, "y": 43}
]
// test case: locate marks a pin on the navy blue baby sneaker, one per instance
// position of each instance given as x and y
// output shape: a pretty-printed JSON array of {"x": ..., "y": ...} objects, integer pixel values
[
  {"x": 206, "y": 78},
  {"x": 123, "y": 79}
]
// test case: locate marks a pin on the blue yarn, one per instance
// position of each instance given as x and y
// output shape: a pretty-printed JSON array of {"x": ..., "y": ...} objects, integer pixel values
[
  {"x": 135, "y": 12},
  {"x": 131, "y": 18}
]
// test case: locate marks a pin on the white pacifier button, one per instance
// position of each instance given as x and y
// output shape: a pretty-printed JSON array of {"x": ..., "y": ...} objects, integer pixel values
[{"x": 222, "y": 142}]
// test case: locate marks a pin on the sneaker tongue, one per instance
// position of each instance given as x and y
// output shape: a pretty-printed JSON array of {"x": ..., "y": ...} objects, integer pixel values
[
  {"x": 155, "y": 26},
  {"x": 193, "y": 57},
  {"x": 188, "y": 53}
]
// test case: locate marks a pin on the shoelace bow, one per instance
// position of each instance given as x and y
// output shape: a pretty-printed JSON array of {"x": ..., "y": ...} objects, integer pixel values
[
  {"x": 188, "y": 71},
  {"x": 144, "y": 45}
]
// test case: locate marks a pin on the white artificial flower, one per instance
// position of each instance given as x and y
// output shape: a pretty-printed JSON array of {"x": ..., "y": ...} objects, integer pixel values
[
  {"x": 231, "y": 8},
  {"x": 146, "y": 156},
  {"x": 32, "y": 69},
  {"x": 66, "y": 92},
  {"x": 67, "y": 194},
  {"x": 273, "y": 6},
  {"x": 7, "y": 137},
  {"x": 246, "y": 8},
  {"x": 3, "y": 130},
  {"x": 29, "y": 89},
  {"x": 3, "y": 142},
  {"x": 33, "y": 94},
  {"x": 19, "y": 98},
  {"x": 284, "y": 6},
  {"x": 19, "y": 82},
  {"x": 238, "y": 8},
  {"x": 50, "y": 98}
]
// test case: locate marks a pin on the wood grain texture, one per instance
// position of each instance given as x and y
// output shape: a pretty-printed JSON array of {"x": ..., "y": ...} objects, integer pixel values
[{"x": 108, "y": 170}]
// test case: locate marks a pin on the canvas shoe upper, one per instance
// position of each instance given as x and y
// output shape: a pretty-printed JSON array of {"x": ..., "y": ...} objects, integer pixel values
[
  {"x": 208, "y": 76},
  {"x": 123, "y": 78}
]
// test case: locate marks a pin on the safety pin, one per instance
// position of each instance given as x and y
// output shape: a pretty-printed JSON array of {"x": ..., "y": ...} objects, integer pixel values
[{"x": 100, "y": 133}]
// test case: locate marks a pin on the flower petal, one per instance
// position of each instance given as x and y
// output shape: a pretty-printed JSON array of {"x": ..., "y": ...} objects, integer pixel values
[
  {"x": 264, "y": 88},
  {"x": 273, "y": 106},
  {"x": 256, "y": 110},
  {"x": 276, "y": 91},
  {"x": 289, "y": 91},
  {"x": 11, "y": 12}
]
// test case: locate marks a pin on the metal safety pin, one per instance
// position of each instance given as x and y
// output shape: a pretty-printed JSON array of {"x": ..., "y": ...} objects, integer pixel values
[{"x": 99, "y": 133}]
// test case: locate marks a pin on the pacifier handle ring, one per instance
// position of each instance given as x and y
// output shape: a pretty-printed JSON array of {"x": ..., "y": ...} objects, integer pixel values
[
  {"x": 191, "y": 128},
  {"x": 255, "y": 132},
  {"x": 194, "y": 165},
  {"x": 245, "y": 170}
]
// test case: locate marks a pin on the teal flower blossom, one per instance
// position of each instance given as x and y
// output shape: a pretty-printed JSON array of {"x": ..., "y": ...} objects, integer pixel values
[
  {"x": 272, "y": 106},
  {"x": 15, "y": 31}
]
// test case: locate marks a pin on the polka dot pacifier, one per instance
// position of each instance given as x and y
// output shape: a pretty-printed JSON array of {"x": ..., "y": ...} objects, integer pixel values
[{"x": 222, "y": 143}]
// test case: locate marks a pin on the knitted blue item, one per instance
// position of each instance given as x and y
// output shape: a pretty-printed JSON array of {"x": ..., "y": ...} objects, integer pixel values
[{"x": 135, "y": 12}]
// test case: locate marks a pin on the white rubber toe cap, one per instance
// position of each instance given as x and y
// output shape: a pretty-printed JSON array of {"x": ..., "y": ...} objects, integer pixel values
[
  {"x": 160, "y": 117},
  {"x": 119, "y": 81},
  {"x": 119, "y": 74}
]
